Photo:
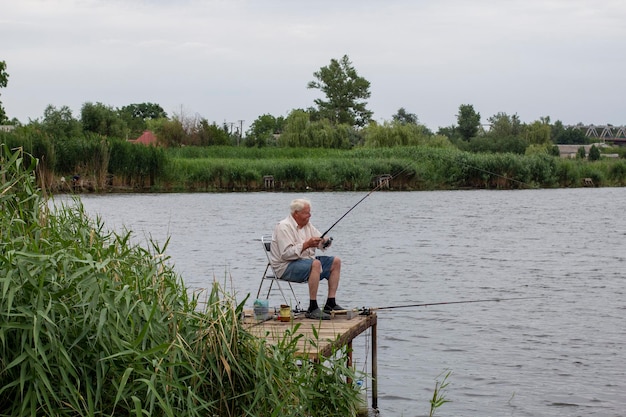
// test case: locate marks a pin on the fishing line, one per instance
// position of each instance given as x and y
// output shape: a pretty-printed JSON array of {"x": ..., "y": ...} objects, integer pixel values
[
  {"x": 388, "y": 180},
  {"x": 380, "y": 184},
  {"x": 495, "y": 174}
]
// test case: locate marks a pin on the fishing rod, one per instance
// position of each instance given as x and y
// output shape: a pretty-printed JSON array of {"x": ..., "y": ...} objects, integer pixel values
[
  {"x": 380, "y": 184},
  {"x": 367, "y": 310}
]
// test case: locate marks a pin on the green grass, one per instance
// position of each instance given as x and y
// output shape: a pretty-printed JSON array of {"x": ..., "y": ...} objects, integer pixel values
[{"x": 93, "y": 325}]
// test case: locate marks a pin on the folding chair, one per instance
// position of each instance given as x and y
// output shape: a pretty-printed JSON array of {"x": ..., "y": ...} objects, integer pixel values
[{"x": 270, "y": 275}]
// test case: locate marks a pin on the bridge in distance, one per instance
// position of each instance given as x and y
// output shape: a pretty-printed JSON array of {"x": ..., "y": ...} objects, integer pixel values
[{"x": 606, "y": 133}]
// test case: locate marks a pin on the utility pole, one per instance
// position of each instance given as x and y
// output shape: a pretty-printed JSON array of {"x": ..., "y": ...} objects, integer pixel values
[{"x": 240, "y": 131}]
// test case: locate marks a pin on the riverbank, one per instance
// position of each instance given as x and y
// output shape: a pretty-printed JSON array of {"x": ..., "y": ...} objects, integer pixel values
[{"x": 409, "y": 169}]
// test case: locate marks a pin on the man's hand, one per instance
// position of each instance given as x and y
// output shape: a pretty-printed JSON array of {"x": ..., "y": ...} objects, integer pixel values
[{"x": 313, "y": 242}]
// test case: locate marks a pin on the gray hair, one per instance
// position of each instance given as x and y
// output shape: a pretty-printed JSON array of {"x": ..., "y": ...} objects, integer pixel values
[{"x": 298, "y": 204}]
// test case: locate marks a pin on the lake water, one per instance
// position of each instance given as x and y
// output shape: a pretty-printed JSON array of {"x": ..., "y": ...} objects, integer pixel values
[{"x": 563, "y": 354}]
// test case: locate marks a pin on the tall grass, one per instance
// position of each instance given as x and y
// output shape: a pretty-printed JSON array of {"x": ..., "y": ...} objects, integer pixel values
[{"x": 93, "y": 325}]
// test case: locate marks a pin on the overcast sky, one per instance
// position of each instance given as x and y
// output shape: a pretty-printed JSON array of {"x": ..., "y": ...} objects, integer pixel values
[{"x": 238, "y": 59}]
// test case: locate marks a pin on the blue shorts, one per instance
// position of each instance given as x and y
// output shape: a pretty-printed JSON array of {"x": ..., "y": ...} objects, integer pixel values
[{"x": 299, "y": 271}]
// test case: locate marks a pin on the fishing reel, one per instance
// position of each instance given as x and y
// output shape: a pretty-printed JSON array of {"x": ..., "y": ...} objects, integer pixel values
[{"x": 327, "y": 243}]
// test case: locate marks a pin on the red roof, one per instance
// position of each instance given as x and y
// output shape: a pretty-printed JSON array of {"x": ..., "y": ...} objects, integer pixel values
[{"x": 146, "y": 138}]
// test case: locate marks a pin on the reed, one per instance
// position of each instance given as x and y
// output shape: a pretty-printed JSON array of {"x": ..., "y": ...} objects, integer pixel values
[
  {"x": 439, "y": 394},
  {"x": 94, "y": 325}
]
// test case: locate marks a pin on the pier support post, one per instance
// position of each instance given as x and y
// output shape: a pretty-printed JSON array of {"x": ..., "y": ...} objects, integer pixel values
[
  {"x": 374, "y": 368},
  {"x": 268, "y": 181}
]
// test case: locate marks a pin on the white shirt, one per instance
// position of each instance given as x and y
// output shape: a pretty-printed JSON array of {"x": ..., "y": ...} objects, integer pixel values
[{"x": 287, "y": 241}]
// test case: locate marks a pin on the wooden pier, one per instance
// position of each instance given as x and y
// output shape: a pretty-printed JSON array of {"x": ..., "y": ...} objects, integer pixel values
[{"x": 340, "y": 331}]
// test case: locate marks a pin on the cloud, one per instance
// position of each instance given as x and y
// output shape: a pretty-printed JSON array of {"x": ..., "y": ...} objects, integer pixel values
[{"x": 238, "y": 59}]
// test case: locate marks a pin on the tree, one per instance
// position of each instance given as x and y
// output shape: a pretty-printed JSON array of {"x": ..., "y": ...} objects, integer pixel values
[
  {"x": 4, "y": 79},
  {"x": 103, "y": 120},
  {"x": 504, "y": 126},
  {"x": 60, "y": 124},
  {"x": 172, "y": 133},
  {"x": 538, "y": 132},
  {"x": 594, "y": 153},
  {"x": 405, "y": 118},
  {"x": 571, "y": 135},
  {"x": 345, "y": 91},
  {"x": 263, "y": 129},
  {"x": 468, "y": 120},
  {"x": 451, "y": 132},
  {"x": 211, "y": 134},
  {"x": 136, "y": 116}
]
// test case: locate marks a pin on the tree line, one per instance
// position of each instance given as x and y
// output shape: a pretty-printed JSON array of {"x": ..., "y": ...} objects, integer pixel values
[{"x": 96, "y": 142}]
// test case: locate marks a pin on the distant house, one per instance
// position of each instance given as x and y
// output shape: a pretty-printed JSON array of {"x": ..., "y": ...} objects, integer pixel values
[
  {"x": 570, "y": 151},
  {"x": 146, "y": 138}
]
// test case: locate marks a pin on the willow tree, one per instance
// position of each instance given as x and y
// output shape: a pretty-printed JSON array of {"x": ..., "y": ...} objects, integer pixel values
[{"x": 345, "y": 93}]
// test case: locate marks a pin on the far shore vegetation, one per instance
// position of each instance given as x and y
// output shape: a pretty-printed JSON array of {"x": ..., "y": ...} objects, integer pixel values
[
  {"x": 335, "y": 145},
  {"x": 93, "y": 163}
]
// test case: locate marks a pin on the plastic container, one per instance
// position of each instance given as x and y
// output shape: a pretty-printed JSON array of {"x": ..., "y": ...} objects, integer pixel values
[{"x": 261, "y": 310}]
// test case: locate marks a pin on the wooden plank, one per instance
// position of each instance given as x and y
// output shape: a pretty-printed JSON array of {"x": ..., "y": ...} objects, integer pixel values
[{"x": 333, "y": 334}]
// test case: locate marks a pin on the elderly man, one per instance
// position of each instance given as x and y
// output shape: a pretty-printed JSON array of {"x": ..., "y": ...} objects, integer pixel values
[{"x": 292, "y": 254}]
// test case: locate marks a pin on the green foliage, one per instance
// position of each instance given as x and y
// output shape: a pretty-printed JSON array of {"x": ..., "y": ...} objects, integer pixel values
[
  {"x": 33, "y": 142},
  {"x": 554, "y": 151},
  {"x": 299, "y": 131},
  {"x": 502, "y": 126},
  {"x": 345, "y": 93},
  {"x": 545, "y": 148},
  {"x": 594, "y": 153},
  {"x": 537, "y": 133},
  {"x": 135, "y": 116},
  {"x": 93, "y": 325},
  {"x": 171, "y": 133},
  {"x": 468, "y": 120},
  {"x": 4, "y": 79},
  {"x": 495, "y": 144},
  {"x": 571, "y": 136},
  {"x": 83, "y": 154},
  {"x": 581, "y": 154},
  {"x": 103, "y": 120},
  {"x": 263, "y": 129},
  {"x": 60, "y": 124},
  {"x": 395, "y": 134},
  {"x": 417, "y": 168},
  {"x": 568, "y": 173},
  {"x": 617, "y": 172},
  {"x": 451, "y": 132},
  {"x": 206, "y": 134},
  {"x": 19, "y": 198},
  {"x": 138, "y": 165},
  {"x": 439, "y": 394},
  {"x": 403, "y": 117}
]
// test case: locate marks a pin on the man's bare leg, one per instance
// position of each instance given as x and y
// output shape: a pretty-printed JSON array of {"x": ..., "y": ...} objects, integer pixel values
[{"x": 333, "y": 280}]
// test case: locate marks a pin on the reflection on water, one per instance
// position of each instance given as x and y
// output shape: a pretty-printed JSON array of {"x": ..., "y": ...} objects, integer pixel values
[{"x": 562, "y": 354}]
